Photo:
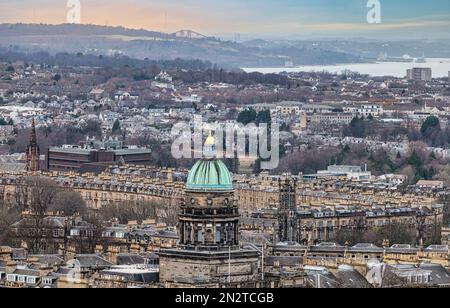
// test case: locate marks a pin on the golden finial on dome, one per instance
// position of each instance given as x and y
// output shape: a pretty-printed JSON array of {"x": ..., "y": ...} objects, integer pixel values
[
  {"x": 209, "y": 149},
  {"x": 210, "y": 140}
]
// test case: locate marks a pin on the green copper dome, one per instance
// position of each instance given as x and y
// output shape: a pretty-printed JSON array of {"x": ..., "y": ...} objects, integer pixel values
[{"x": 209, "y": 175}]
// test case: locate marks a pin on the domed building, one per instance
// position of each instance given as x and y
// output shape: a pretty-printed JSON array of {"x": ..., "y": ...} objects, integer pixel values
[
  {"x": 209, "y": 254},
  {"x": 209, "y": 215}
]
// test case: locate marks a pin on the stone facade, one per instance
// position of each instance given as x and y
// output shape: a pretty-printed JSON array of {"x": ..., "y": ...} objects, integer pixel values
[
  {"x": 238, "y": 268},
  {"x": 107, "y": 188},
  {"x": 139, "y": 183},
  {"x": 331, "y": 255},
  {"x": 318, "y": 226},
  {"x": 209, "y": 219},
  {"x": 287, "y": 210},
  {"x": 445, "y": 236}
]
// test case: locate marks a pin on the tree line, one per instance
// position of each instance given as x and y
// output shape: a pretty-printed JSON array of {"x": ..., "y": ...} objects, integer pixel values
[
  {"x": 416, "y": 234},
  {"x": 65, "y": 59},
  {"x": 235, "y": 77}
]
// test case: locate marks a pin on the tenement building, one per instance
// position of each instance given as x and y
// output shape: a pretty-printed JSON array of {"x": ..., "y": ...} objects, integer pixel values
[
  {"x": 118, "y": 185},
  {"x": 262, "y": 191},
  {"x": 446, "y": 236},
  {"x": 209, "y": 254},
  {"x": 316, "y": 226}
]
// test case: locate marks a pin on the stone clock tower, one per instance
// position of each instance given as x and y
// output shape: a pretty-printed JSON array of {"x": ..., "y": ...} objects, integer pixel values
[{"x": 209, "y": 253}]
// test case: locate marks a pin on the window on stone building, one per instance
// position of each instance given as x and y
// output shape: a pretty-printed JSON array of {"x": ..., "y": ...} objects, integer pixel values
[
  {"x": 31, "y": 280},
  {"x": 199, "y": 236},
  {"x": 47, "y": 281},
  {"x": 189, "y": 233},
  {"x": 230, "y": 234},
  {"x": 218, "y": 235}
]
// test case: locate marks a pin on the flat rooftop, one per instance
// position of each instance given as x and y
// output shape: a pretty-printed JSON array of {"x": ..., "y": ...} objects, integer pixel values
[{"x": 86, "y": 151}]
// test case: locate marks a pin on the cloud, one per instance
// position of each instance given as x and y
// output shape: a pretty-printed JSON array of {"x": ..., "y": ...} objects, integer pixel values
[
  {"x": 242, "y": 16},
  {"x": 375, "y": 27}
]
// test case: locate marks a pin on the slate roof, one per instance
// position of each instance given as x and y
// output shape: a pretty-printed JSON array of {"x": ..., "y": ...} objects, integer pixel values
[
  {"x": 439, "y": 275},
  {"x": 402, "y": 248},
  {"x": 19, "y": 254},
  {"x": 437, "y": 248},
  {"x": 62, "y": 271},
  {"x": 48, "y": 222},
  {"x": 27, "y": 272},
  {"x": 283, "y": 260},
  {"x": 129, "y": 259},
  {"x": 366, "y": 248},
  {"x": 323, "y": 280},
  {"x": 331, "y": 247},
  {"x": 50, "y": 260},
  {"x": 134, "y": 275},
  {"x": 93, "y": 262},
  {"x": 351, "y": 278}
]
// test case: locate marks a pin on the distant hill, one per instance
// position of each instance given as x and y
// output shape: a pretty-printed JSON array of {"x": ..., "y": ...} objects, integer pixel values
[
  {"x": 142, "y": 44},
  {"x": 72, "y": 30}
]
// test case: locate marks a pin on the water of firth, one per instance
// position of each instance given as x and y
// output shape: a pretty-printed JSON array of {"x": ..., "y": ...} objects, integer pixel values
[{"x": 440, "y": 67}]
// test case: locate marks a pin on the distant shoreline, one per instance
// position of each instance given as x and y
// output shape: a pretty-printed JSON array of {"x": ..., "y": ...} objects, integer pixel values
[{"x": 440, "y": 67}]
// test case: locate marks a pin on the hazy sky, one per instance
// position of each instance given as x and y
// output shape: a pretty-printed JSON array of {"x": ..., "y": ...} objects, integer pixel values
[{"x": 262, "y": 18}]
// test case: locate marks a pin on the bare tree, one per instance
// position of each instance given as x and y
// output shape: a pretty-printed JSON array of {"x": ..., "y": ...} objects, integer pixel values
[
  {"x": 141, "y": 210},
  {"x": 420, "y": 224},
  {"x": 9, "y": 214},
  {"x": 36, "y": 194},
  {"x": 353, "y": 235},
  {"x": 69, "y": 203},
  {"x": 92, "y": 235},
  {"x": 396, "y": 233}
]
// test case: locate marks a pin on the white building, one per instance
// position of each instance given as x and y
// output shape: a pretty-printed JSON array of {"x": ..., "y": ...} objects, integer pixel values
[
  {"x": 365, "y": 110},
  {"x": 353, "y": 173},
  {"x": 420, "y": 74}
]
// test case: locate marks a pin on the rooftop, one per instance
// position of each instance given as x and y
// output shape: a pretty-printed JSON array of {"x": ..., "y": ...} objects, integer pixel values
[{"x": 86, "y": 151}]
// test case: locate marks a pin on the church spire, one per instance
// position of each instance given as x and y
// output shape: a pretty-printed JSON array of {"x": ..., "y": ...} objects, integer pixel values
[
  {"x": 33, "y": 153},
  {"x": 33, "y": 137}
]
